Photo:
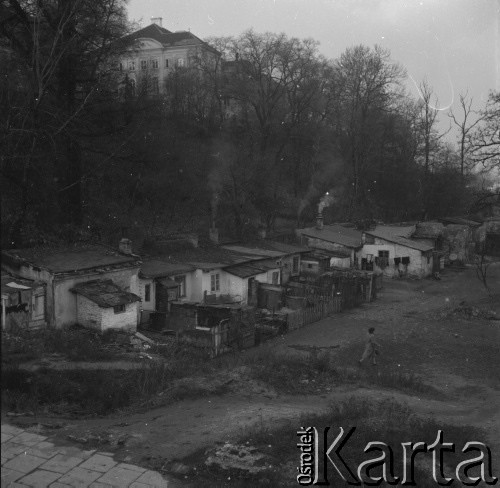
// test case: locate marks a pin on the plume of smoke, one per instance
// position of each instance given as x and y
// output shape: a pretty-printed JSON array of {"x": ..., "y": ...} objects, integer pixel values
[{"x": 326, "y": 200}]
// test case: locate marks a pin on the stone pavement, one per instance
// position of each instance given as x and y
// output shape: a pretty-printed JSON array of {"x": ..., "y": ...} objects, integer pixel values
[{"x": 30, "y": 459}]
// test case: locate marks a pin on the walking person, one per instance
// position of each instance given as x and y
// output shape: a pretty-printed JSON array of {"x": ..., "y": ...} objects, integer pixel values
[{"x": 371, "y": 347}]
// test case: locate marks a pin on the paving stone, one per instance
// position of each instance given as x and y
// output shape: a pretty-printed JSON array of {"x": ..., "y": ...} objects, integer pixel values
[
  {"x": 40, "y": 478},
  {"x": 97, "y": 484},
  {"x": 79, "y": 477},
  {"x": 98, "y": 462},
  {"x": 24, "y": 463},
  {"x": 59, "y": 485},
  {"x": 153, "y": 479},
  {"x": 11, "y": 430},
  {"x": 15, "y": 484},
  {"x": 136, "y": 484},
  {"x": 61, "y": 463},
  {"x": 6, "y": 437},
  {"x": 74, "y": 452},
  {"x": 28, "y": 439},
  {"x": 10, "y": 450},
  {"x": 10, "y": 475},
  {"x": 43, "y": 449},
  {"x": 132, "y": 467},
  {"x": 4, "y": 460},
  {"x": 119, "y": 477}
]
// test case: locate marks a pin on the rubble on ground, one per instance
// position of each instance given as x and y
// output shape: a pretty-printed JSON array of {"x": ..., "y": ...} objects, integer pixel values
[{"x": 237, "y": 457}]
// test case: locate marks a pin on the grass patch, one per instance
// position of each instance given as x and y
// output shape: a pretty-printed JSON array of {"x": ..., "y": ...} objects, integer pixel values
[
  {"x": 96, "y": 392},
  {"x": 294, "y": 374},
  {"x": 387, "y": 421},
  {"x": 75, "y": 343}
]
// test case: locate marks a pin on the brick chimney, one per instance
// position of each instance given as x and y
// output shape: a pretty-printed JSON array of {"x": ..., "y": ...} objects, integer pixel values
[
  {"x": 319, "y": 222},
  {"x": 157, "y": 20},
  {"x": 125, "y": 246}
]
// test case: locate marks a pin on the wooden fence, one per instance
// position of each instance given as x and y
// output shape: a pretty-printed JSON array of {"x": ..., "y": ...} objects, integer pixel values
[{"x": 299, "y": 318}]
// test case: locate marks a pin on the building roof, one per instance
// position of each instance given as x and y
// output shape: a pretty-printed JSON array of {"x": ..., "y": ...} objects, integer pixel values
[
  {"x": 337, "y": 234},
  {"x": 73, "y": 258},
  {"x": 250, "y": 269},
  {"x": 390, "y": 231},
  {"x": 402, "y": 241},
  {"x": 105, "y": 293},
  {"x": 254, "y": 252},
  {"x": 168, "y": 38},
  {"x": 268, "y": 245},
  {"x": 155, "y": 268},
  {"x": 459, "y": 220}
]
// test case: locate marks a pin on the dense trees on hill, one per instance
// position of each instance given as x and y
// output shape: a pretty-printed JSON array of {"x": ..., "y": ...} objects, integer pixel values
[{"x": 245, "y": 141}]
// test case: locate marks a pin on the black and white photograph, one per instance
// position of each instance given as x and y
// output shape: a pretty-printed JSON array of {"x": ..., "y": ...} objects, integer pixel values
[{"x": 250, "y": 243}]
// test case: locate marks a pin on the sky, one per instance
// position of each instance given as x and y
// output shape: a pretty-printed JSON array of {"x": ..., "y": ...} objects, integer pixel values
[{"x": 455, "y": 44}]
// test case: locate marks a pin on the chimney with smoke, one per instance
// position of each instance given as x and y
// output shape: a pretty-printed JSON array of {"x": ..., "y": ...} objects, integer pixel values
[
  {"x": 326, "y": 200},
  {"x": 157, "y": 20}
]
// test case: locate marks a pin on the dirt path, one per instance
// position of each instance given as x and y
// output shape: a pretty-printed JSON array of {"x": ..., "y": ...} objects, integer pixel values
[{"x": 461, "y": 357}]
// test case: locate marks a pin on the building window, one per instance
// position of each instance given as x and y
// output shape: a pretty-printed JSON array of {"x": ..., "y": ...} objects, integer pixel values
[
  {"x": 181, "y": 281},
  {"x": 119, "y": 308},
  {"x": 144, "y": 65},
  {"x": 215, "y": 282},
  {"x": 154, "y": 63},
  {"x": 155, "y": 88},
  {"x": 166, "y": 63},
  {"x": 147, "y": 293},
  {"x": 275, "y": 277},
  {"x": 131, "y": 65},
  {"x": 309, "y": 265},
  {"x": 383, "y": 259},
  {"x": 295, "y": 264},
  {"x": 120, "y": 66},
  {"x": 180, "y": 62}
]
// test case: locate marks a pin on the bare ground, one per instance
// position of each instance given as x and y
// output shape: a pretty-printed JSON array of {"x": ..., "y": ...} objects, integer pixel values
[{"x": 458, "y": 353}]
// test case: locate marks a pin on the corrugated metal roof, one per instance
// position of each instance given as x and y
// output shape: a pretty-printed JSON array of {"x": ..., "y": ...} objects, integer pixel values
[
  {"x": 335, "y": 233},
  {"x": 105, "y": 293}
]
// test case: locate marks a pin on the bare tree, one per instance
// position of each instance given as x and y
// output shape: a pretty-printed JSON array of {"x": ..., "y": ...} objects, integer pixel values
[
  {"x": 485, "y": 139},
  {"x": 465, "y": 127}
]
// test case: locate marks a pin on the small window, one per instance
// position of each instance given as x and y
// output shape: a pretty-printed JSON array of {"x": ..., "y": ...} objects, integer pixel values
[
  {"x": 383, "y": 254},
  {"x": 131, "y": 65},
  {"x": 275, "y": 277},
  {"x": 121, "y": 66},
  {"x": 180, "y": 62},
  {"x": 181, "y": 280},
  {"x": 215, "y": 282},
  {"x": 166, "y": 63},
  {"x": 144, "y": 65},
  {"x": 147, "y": 293},
  {"x": 154, "y": 63},
  {"x": 119, "y": 308},
  {"x": 309, "y": 265}
]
